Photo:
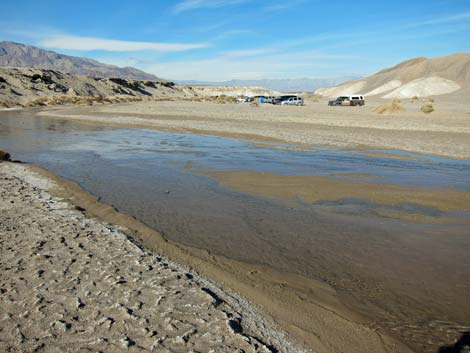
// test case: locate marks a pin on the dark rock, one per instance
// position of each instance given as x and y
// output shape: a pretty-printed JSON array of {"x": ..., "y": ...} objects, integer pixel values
[
  {"x": 15, "y": 92},
  {"x": 235, "y": 325},
  {"x": 4, "y": 156},
  {"x": 216, "y": 299},
  {"x": 36, "y": 78}
]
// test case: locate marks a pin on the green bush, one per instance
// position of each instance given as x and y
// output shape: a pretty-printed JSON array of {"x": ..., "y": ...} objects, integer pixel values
[{"x": 427, "y": 108}]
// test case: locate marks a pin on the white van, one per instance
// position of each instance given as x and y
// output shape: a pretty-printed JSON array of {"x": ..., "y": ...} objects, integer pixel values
[{"x": 356, "y": 100}]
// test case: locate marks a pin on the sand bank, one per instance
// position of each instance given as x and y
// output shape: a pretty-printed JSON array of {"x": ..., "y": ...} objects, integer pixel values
[
  {"x": 445, "y": 132},
  {"x": 314, "y": 189}
]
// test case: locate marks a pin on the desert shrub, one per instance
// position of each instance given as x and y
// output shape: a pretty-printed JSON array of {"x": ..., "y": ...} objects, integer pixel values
[
  {"x": 427, "y": 108},
  {"x": 223, "y": 99},
  {"x": 7, "y": 104},
  {"x": 390, "y": 108}
]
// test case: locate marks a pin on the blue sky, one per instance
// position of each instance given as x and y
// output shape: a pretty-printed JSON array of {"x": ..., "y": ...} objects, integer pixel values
[{"x": 243, "y": 39}]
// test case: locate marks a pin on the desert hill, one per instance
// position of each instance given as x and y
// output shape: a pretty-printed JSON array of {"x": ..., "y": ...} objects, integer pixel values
[
  {"x": 20, "y": 55},
  {"x": 419, "y": 77},
  {"x": 31, "y": 87}
]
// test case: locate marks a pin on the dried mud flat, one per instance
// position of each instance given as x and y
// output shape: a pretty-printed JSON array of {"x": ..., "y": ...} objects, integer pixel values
[{"x": 75, "y": 284}]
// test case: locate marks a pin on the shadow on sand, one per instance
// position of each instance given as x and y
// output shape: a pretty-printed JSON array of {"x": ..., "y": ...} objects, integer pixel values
[{"x": 459, "y": 346}]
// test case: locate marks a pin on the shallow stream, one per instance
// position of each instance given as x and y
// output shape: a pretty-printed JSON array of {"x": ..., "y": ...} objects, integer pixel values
[{"x": 388, "y": 267}]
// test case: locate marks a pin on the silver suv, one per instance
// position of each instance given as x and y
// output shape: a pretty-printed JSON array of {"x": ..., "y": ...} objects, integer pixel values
[{"x": 293, "y": 101}]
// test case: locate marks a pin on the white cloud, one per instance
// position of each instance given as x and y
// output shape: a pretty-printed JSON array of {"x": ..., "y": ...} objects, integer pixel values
[
  {"x": 226, "y": 67},
  {"x": 284, "y": 5},
  {"x": 441, "y": 20},
  {"x": 72, "y": 42},
  {"x": 248, "y": 53},
  {"x": 188, "y": 5}
]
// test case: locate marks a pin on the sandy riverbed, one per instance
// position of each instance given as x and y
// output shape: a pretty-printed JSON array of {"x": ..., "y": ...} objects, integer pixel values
[{"x": 444, "y": 132}]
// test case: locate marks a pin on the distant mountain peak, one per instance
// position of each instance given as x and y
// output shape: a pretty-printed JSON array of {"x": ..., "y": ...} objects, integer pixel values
[
  {"x": 14, "y": 54},
  {"x": 280, "y": 85}
]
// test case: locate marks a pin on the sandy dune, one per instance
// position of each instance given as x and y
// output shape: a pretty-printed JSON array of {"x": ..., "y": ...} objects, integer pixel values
[
  {"x": 70, "y": 283},
  {"x": 424, "y": 87}
]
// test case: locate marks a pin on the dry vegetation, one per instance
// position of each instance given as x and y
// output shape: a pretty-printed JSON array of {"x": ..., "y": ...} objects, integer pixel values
[
  {"x": 427, "y": 108},
  {"x": 222, "y": 99},
  {"x": 61, "y": 100},
  {"x": 390, "y": 108},
  {"x": 8, "y": 104}
]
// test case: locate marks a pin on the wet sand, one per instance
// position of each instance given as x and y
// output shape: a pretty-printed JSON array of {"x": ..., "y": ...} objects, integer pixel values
[
  {"x": 445, "y": 132},
  {"x": 313, "y": 189}
]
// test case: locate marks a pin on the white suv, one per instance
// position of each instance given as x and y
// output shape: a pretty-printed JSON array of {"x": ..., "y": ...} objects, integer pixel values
[{"x": 293, "y": 101}]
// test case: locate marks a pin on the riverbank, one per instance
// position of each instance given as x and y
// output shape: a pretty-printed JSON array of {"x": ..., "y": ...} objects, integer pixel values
[
  {"x": 69, "y": 281},
  {"x": 328, "y": 326},
  {"x": 445, "y": 132}
]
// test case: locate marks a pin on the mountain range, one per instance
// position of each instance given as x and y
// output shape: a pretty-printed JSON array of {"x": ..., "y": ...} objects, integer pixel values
[
  {"x": 20, "y": 55},
  {"x": 280, "y": 85}
]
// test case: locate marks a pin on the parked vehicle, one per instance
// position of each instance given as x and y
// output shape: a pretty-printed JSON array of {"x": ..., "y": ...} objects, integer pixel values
[
  {"x": 339, "y": 101},
  {"x": 279, "y": 100},
  {"x": 269, "y": 99},
  {"x": 357, "y": 100},
  {"x": 248, "y": 99},
  {"x": 293, "y": 101},
  {"x": 348, "y": 101}
]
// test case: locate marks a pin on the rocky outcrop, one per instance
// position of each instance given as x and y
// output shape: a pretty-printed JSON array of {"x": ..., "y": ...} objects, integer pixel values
[
  {"x": 31, "y": 87},
  {"x": 4, "y": 156}
]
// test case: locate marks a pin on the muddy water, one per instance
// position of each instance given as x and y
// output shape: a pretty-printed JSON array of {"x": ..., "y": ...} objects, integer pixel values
[{"x": 413, "y": 278}]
